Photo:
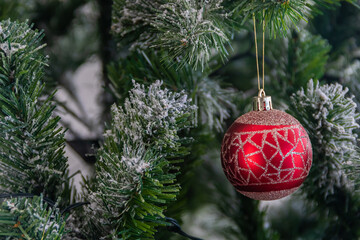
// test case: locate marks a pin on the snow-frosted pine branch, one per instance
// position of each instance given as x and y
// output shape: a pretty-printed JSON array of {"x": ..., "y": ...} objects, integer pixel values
[
  {"x": 214, "y": 102},
  {"x": 330, "y": 116},
  {"x": 151, "y": 114},
  {"x": 30, "y": 218},
  {"x": 132, "y": 178},
  {"x": 190, "y": 31},
  {"x": 32, "y": 149},
  {"x": 351, "y": 79}
]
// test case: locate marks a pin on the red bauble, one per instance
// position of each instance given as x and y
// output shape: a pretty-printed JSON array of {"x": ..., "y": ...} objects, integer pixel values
[{"x": 266, "y": 155}]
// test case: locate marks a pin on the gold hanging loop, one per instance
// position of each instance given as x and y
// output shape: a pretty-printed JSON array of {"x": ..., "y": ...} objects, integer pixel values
[{"x": 261, "y": 93}]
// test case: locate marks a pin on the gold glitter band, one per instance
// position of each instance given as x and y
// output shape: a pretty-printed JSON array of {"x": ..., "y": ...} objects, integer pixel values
[{"x": 271, "y": 117}]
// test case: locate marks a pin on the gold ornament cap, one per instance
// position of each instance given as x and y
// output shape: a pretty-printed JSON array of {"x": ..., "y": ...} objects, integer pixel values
[{"x": 262, "y": 102}]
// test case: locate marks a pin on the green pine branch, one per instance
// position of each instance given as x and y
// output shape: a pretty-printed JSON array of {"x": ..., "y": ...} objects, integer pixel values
[
  {"x": 189, "y": 31},
  {"x": 301, "y": 57},
  {"x": 136, "y": 169},
  {"x": 192, "y": 32},
  {"x": 214, "y": 104},
  {"x": 30, "y": 218},
  {"x": 276, "y": 14},
  {"x": 213, "y": 99},
  {"x": 32, "y": 143},
  {"x": 280, "y": 15},
  {"x": 330, "y": 117}
]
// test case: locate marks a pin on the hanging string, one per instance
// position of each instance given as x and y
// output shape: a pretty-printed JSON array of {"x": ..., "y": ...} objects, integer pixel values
[
  {"x": 257, "y": 53},
  {"x": 263, "y": 51}
]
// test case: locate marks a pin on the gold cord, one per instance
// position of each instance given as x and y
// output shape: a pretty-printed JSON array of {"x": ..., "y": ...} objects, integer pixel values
[
  {"x": 256, "y": 50},
  {"x": 263, "y": 52}
]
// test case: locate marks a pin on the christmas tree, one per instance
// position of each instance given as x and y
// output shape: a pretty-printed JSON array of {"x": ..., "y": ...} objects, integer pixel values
[{"x": 174, "y": 76}]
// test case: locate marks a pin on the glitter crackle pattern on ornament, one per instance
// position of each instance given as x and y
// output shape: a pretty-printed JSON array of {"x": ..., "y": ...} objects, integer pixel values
[{"x": 263, "y": 158}]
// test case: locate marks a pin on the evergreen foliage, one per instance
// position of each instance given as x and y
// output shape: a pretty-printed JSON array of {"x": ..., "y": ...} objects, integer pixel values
[
  {"x": 191, "y": 31},
  {"x": 144, "y": 171},
  {"x": 214, "y": 101},
  {"x": 331, "y": 118},
  {"x": 11, "y": 8},
  {"x": 188, "y": 30},
  {"x": 135, "y": 172},
  {"x": 300, "y": 57},
  {"x": 351, "y": 78},
  {"x": 32, "y": 144},
  {"x": 30, "y": 218},
  {"x": 280, "y": 15},
  {"x": 231, "y": 205}
]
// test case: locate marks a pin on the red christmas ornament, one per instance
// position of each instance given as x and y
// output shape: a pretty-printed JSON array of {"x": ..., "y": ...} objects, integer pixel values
[{"x": 266, "y": 154}]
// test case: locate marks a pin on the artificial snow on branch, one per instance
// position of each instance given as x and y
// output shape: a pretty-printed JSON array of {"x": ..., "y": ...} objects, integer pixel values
[
  {"x": 190, "y": 31},
  {"x": 32, "y": 144},
  {"x": 351, "y": 79},
  {"x": 194, "y": 31},
  {"x": 330, "y": 116},
  {"x": 30, "y": 218},
  {"x": 214, "y": 102},
  {"x": 133, "y": 179},
  {"x": 278, "y": 15}
]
